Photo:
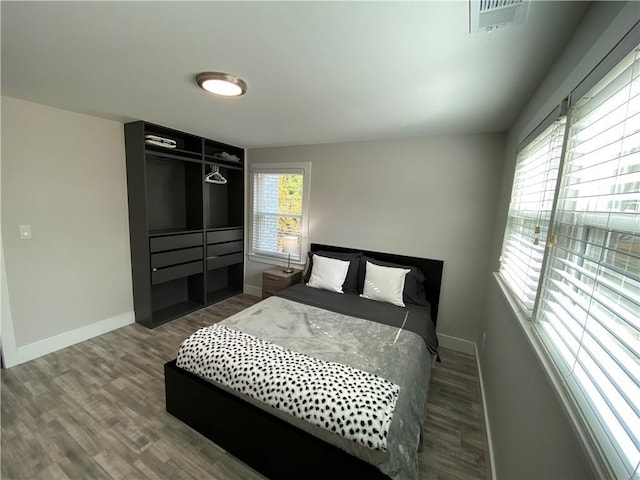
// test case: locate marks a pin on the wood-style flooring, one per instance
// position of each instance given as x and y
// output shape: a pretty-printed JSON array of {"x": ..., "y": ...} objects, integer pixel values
[{"x": 96, "y": 410}]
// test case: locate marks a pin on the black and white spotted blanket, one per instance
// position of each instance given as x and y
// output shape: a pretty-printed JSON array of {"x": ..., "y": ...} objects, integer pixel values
[{"x": 347, "y": 401}]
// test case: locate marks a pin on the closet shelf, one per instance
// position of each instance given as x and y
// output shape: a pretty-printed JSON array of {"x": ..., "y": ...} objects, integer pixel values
[
  {"x": 209, "y": 160},
  {"x": 222, "y": 293},
  {"x": 186, "y": 156},
  {"x": 177, "y": 310},
  {"x": 220, "y": 229}
]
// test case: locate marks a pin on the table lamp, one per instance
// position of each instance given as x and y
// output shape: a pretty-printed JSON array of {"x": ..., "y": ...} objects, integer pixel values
[{"x": 289, "y": 246}]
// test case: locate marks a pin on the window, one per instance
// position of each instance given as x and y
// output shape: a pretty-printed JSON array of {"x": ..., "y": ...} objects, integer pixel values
[
  {"x": 590, "y": 298},
  {"x": 280, "y": 205},
  {"x": 530, "y": 212},
  {"x": 580, "y": 281}
]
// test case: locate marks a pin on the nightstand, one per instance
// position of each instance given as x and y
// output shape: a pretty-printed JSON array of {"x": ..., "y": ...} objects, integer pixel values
[{"x": 275, "y": 280}]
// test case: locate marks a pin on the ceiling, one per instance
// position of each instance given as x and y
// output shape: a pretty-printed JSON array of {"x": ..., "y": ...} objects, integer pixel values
[{"x": 317, "y": 72}]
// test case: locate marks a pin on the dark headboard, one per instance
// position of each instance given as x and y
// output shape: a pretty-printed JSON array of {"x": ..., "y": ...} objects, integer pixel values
[{"x": 432, "y": 270}]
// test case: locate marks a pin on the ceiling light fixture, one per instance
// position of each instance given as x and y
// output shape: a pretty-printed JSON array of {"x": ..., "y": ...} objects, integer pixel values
[{"x": 221, "y": 84}]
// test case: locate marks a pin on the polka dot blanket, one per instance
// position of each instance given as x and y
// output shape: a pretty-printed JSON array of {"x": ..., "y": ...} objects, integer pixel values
[{"x": 349, "y": 402}]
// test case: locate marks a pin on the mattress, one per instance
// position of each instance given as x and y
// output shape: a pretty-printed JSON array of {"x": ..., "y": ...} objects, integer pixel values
[{"x": 329, "y": 327}]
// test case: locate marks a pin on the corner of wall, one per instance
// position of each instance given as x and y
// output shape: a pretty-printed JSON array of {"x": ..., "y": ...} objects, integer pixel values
[
  {"x": 9, "y": 351},
  {"x": 457, "y": 344},
  {"x": 7, "y": 335},
  {"x": 487, "y": 423},
  {"x": 252, "y": 290}
]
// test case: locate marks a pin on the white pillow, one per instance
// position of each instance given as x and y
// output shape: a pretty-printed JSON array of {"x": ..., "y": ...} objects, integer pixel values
[
  {"x": 384, "y": 284},
  {"x": 328, "y": 273}
]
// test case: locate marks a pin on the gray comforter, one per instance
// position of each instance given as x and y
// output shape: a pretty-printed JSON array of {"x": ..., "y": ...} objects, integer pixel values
[{"x": 398, "y": 355}]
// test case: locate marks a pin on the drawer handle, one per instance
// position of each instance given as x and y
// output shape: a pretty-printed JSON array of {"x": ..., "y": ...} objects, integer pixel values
[{"x": 154, "y": 269}]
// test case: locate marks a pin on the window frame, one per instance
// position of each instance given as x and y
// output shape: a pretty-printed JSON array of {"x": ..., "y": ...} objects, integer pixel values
[
  {"x": 556, "y": 119},
  {"x": 601, "y": 451},
  {"x": 281, "y": 168}
]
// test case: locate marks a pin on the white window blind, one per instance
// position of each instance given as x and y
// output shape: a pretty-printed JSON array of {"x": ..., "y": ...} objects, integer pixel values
[
  {"x": 588, "y": 316},
  {"x": 279, "y": 209},
  {"x": 529, "y": 214}
]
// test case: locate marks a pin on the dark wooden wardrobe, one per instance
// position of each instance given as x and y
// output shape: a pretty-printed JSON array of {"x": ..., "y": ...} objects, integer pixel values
[{"x": 187, "y": 236}]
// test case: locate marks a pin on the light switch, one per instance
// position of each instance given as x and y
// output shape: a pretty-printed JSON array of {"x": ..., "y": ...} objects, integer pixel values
[{"x": 25, "y": 232}]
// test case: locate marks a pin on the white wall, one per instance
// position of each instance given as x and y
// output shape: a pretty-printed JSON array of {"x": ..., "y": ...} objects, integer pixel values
[
  {"x": 531, "y": 432},
  {"x": 7, "y": 339},
  {"x": 432, "y": 197},
  {"x": 64, "y": 174}
]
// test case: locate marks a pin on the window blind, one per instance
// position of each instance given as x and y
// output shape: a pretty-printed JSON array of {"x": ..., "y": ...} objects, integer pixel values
[
  {"x": 588, "y": 316},
  {"x": 277, "y": 211},
  {"x": 530, "y": 212}
]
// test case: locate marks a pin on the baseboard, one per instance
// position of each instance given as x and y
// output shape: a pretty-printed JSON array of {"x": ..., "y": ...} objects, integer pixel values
[
  {"x": 252, "y": 290},
  {"x": 63, "y": 340},
  {"x": 486, "y": 417},
  {"x": 457, "y": 344},
  {"x": 470, "y": 348}
]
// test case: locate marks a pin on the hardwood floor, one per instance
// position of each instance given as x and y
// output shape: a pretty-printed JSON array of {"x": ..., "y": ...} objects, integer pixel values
[{"x": 96, "y": 410}]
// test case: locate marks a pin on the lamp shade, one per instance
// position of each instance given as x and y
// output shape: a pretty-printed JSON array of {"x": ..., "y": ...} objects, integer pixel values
[{"x": 289, "y": 244}]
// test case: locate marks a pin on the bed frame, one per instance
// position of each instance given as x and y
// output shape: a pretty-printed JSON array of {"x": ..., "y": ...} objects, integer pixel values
[
  {"x": 432, "y": 270},
  {"x": 270, "y": 445}
]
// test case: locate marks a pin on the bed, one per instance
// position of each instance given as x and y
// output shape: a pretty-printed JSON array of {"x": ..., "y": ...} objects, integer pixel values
[{"x": 374, "y": 340}]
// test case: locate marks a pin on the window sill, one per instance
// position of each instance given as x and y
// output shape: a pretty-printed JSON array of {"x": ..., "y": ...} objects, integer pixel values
[
  {"x": 274, "y": 261},
  {"x": 592, "y": 448}
]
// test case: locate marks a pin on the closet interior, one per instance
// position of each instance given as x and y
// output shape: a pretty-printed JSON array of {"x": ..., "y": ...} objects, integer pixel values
[{"x": 186, "y": 208}]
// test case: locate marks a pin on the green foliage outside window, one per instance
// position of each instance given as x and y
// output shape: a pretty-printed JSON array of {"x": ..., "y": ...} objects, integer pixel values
[{"x": 290, "y": 202}]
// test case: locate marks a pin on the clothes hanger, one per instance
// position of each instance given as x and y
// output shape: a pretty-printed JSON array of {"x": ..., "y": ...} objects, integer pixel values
[{"x": 215, "y": 176}]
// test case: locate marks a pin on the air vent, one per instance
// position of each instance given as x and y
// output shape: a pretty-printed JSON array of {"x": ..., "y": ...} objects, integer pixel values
[{"x": 487, "y": 15}]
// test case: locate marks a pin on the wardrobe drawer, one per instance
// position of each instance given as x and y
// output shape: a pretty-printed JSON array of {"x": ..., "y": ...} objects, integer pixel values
[
  {"x": 224, "y": 261},
  {"x": 173, "y": 242},
  {"x": 224, "y": 248},
  {"x": 179, "y": 271},
  {"x": 159, "y": 260},
  {"x": 225, "y": 235}
]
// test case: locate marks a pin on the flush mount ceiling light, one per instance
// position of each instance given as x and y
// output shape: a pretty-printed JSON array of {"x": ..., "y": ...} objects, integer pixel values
[{"x": 221, "y": 84}]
